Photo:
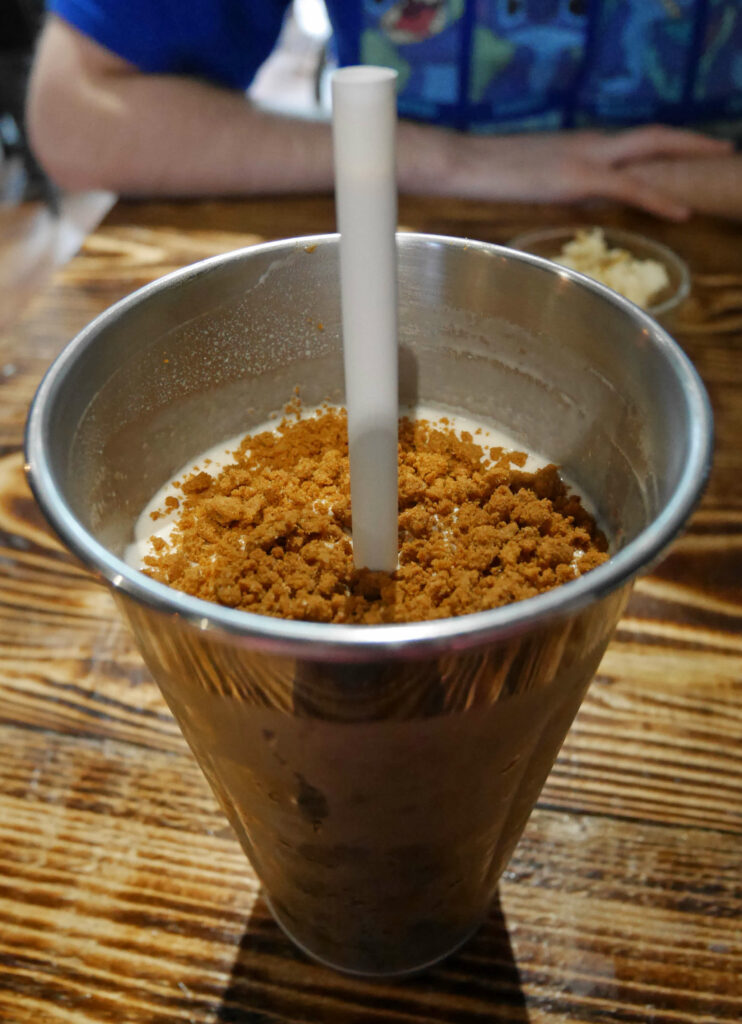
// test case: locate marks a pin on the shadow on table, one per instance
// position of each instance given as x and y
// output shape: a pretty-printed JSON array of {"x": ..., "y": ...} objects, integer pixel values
[{"x": 272, "y": 981}]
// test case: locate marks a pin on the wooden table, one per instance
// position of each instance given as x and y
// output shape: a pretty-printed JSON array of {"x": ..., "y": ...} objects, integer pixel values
[{"x": 124, "y": 896}]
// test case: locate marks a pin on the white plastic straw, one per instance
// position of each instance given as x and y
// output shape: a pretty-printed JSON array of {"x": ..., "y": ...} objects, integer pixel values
[{"x": 364, "y": 123}]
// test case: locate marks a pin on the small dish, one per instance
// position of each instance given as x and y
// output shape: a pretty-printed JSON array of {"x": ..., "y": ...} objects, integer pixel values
[{"x": 548, "y": 242}]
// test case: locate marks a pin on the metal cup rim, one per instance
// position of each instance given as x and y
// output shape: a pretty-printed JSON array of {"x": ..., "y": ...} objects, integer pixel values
[{"x": 336, "y": 642}]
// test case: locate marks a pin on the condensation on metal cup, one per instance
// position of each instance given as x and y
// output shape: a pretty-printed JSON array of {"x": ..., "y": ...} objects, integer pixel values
[{"x": 378, "y": 777}]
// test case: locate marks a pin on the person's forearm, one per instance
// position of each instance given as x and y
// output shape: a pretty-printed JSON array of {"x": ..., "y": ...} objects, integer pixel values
[
  {"x": 711, "y": 185},
  {"x": 174, "y": 136},
  {"x": 96, "y": 121}
]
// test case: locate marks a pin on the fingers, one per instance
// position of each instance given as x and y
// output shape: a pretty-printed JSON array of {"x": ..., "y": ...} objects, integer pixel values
[
  {"x": 624, "y": 187},
  {"x": 657, "y": 140}
]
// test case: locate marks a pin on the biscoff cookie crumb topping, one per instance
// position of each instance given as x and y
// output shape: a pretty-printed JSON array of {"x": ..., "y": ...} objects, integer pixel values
[{"x": 271, "y": 533}]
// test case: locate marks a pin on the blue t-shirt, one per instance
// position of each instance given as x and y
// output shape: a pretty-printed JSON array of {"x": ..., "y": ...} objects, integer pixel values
[{"x": 487, "y": 65}]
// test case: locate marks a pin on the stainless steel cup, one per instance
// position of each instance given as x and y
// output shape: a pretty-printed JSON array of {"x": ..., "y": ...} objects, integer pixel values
[{"x": 378, "y": 777}]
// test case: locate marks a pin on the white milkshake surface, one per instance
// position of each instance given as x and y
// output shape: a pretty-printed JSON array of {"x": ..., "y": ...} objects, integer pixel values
[
  {"x": 264, "y": 523},
  {"x": 214, "y": 459}
]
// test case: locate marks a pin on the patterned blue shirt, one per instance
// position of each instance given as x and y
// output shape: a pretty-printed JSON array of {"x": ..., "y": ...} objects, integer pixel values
[{"x": 483, "y": 65}]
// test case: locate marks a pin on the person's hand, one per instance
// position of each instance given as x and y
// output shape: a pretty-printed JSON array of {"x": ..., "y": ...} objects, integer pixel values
[
  {"x": 712, "y": 185},
  {"x": 569, "y": 166}
]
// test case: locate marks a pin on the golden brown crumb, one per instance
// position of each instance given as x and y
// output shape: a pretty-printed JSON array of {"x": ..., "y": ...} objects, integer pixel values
[{"x": 271, "y": 532}]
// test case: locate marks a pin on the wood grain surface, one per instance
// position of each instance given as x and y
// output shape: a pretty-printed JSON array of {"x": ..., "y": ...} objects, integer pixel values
[{"x": 124, "y": 896}]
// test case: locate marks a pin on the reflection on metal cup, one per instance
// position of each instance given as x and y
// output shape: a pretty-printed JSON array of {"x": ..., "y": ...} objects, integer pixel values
[{"x": 378, "y": 777}]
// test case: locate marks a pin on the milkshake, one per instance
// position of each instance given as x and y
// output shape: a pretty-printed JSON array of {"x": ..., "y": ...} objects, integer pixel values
[
  {"x": 377, "y": 774},
  {"x": 264, "y": 523},
  {"x": 371, "y": 853}
]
